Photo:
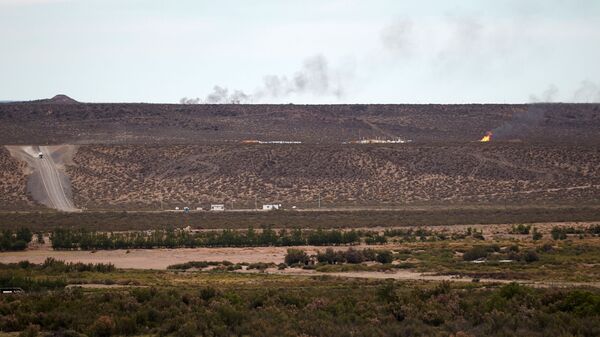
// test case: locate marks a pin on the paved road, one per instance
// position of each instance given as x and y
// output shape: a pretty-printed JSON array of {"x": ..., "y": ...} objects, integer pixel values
[{"x": 52, "y": 182}]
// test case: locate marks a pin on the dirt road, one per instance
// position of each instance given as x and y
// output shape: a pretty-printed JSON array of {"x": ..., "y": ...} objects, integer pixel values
[
  {"x": 52, "y": 182},
  {"x": 47, "y": 183}
]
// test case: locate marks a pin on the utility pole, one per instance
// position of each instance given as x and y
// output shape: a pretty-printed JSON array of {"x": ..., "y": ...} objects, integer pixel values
[{"x": 319, "y": 199}]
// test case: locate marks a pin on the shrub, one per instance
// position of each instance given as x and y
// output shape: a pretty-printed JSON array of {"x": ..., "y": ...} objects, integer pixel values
[
  {"x": 530, "y": 256},
  {"x": 375, "y": 239},
  {"x": 521, "y": 229},
  {"x": 582, "y": 303},
  {"x": 18, "y": 240},
  {"x": 478, "y": 236},
  {"x": 296, "y": 256},
  {"x": 30, "y": 331},
  {"x": 546, "y": 248},
  {"x": 354, "y": 256},
  {"x": 208, "y": 293},
  {"x": 558, "y": 233},
  {"x": 536, "y": 235},
  {"x": 476, "y": 252},
  {"x": 385, "y": 256},
  {"x": 102, "y": 327},
  {"x": 260, "y": 265}
]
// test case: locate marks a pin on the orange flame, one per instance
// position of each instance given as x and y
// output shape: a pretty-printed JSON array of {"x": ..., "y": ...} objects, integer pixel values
[{"x": 487, "y": 137}]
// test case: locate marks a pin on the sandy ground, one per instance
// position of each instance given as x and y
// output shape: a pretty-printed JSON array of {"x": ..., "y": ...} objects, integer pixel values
[{"x": 151, "y": 258}]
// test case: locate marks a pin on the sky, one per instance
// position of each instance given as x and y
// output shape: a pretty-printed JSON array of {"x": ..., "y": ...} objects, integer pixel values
[{"x": 311, "y": 51}]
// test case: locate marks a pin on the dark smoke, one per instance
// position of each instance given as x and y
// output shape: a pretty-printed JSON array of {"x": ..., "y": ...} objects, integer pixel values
[
  {"x": 221, "y": 95},
  {"x": 314, "y": 77},
  {"x": 522, "y": 124},
  {"x": 186, "y": 100}
]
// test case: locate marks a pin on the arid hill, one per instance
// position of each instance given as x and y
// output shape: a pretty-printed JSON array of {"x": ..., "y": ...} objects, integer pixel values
[
  {"x": 367, "y": 175},
  {"x": 13, "y": 182},
  {"x": 59, "y": 121}
]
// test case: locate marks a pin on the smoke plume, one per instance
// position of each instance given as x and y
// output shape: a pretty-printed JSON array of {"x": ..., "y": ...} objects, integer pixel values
[
  {"x": 588, "y": 92},
  {"x": 548, "y": 95},
  {"x": 186, "y": 100},
  {"x": 522, "y": 124},
  {"x": 314, "y": 77},
  {"x": 397, "y": 37}
]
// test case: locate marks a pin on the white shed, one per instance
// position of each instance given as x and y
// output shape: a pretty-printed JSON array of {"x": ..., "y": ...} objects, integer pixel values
[
  {"x": 271, "y": 207},
  {"x": 217, "y": 207}
]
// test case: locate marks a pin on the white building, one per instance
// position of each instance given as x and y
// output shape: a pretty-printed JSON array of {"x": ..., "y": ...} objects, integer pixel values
[
  {"x": 271, "y": 207},
  {"x": 217, "y": 207}
]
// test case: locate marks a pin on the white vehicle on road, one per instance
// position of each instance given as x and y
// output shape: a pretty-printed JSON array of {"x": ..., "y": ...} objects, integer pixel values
[{"x": 41, "y": 155}]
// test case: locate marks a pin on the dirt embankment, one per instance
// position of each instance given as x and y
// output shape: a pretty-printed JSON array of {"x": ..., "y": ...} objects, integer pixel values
[{"x": 47, "y": 182}]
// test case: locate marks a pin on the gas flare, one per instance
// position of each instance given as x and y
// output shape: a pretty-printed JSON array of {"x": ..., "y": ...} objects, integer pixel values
[{"x": 487, "y": 137}]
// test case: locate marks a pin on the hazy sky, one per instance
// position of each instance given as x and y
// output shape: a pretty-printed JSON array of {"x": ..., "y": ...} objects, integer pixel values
[{"x": 310, "y": 51}]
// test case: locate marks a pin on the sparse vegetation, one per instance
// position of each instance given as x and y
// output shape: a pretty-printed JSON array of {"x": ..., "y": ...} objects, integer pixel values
[{"x": 236, "y": 304}]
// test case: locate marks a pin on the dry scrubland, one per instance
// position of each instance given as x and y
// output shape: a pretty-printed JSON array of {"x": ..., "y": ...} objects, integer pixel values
[
  {"x": 54, "y": 121},
  {"x": 440, "y": 179},
  {"x": 13, "y": 182},
  {"x": 415, "y": 174}
]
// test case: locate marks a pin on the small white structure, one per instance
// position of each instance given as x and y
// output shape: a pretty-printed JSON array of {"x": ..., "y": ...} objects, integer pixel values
[
  {"x": 199, "y": 208},
  {"x": 217, "y": 207},
  {"x": 271, "y": 207},
  {"x": 176, "y": 208}
]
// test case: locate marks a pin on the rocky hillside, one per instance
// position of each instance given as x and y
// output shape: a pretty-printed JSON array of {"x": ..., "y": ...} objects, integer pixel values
[
  {"x": 59, "y": 120},
  {"x": 143, "y": 176}
]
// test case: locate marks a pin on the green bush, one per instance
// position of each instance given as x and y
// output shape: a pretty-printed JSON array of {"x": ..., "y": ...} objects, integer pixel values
[
  {"x": 536, "y": 235},
  {"x": 385, "y": 256},
  {"x": 15, "y": 240},
  {"x": 294, "y": 256},
  {"x": 521, "y": 229},
  {"x": 102, "y": 327},
  {"x": 354, "y": 256},
  {"x": 530, "y": 256},
  {"x": 558, "y": 233},
  {"x": 476, "y": 252}
]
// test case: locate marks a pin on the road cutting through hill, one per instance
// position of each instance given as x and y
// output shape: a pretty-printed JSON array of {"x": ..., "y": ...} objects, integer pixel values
[{"x": 47, "y": 182}]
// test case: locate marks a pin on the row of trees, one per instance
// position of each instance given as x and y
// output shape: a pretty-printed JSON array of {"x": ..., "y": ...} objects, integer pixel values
[
  {"x": 54, "y": 266},
  {"x": 15, "y": 240},
  {"x": 560, "y": 233},
  {"x": 331, "y": 256},
  {"x": 68, "y": 239}
]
